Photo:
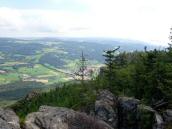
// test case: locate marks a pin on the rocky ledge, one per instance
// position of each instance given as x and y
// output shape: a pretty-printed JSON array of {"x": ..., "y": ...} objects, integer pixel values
[
  {"x": 62, "y": 118},
  {"x": 110, "y": 112},
  {"x": 8, "y": 119}
]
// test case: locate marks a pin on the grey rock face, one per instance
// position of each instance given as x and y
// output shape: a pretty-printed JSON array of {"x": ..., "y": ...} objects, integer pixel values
[
  {"x": 128, "y": 113},
  {"x": 106, "y": 108},
  {"x": 8, "y": 119},
  {"x": 62, "y": 118},
  {"x": 167, "y": 115},
  {"x": 159, "y": 121}
]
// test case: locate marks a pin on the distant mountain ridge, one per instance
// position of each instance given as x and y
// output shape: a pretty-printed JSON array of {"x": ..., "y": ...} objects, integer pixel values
[{"x": 125, "y": 44}]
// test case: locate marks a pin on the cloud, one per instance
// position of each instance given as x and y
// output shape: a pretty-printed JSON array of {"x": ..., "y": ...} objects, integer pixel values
[
  {"x": 13, "y": 21},
  {"x": 32, "y": 22},
  {"x": 147, "y": 20}
]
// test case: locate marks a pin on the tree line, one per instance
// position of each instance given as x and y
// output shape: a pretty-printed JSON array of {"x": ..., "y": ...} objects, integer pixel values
[{"x": 146, "y": 75}]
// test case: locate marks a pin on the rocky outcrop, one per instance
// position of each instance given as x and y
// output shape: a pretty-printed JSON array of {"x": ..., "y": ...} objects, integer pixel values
[
  {"x": 106, "y": 108},
  {"x": 128, "y": 113},
  {"x": 62, "y": 118},
  {"x": 167, "y": 115},
  {"x": 109, "y": 112},
  {"x": 159, "y": 123},
  {"x": 8, "y": 119}
]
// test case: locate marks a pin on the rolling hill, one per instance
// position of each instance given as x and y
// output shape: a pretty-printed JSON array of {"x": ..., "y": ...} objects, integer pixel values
[{"x": 27, "y": 64}]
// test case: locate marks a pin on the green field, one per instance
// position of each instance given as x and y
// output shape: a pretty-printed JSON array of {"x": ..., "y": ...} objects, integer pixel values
[
  {"x": 35, "y": 71},
  {"x": 8, "y": 78},
  {"x": 26, "y": 65}
]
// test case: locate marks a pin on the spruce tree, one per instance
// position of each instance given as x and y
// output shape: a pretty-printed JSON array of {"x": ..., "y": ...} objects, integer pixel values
[
  {"x": 167, "y": 89},
  {"x": 121, "y": 60},
  {"x": 110, "y": 56},
  {"x": 82, "y": 68},
  {"x": 153, "y": 75},
  {"x": 138, "y": 76}
]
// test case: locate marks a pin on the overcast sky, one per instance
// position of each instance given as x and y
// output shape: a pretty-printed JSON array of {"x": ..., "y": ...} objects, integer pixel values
[{"x": 145, "y": 20}]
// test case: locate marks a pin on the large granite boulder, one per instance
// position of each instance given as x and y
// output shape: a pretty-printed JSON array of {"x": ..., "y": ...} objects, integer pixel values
[
  {"x": 128, "y": 113},
  {"x": 8, "y": 119},
  {"x": 106, "y": 108},
  {"x": 62, "y": 118}
]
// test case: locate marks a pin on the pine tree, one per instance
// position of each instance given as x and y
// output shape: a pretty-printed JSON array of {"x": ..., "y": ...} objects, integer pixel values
[
  {"x": 138, "y": 75},
  {"x": 149, "y": 76},
  {"x": 153, "y": 75},
  {"x": 110, "y": 66},
  {"x": 167, "y": 89},
  {"x": 82, "y": 68},
  {"x": 121, "y": 60}
]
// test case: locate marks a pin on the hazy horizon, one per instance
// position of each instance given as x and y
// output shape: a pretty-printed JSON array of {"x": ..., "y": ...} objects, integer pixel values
[{"x": 142, "y": 20}]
